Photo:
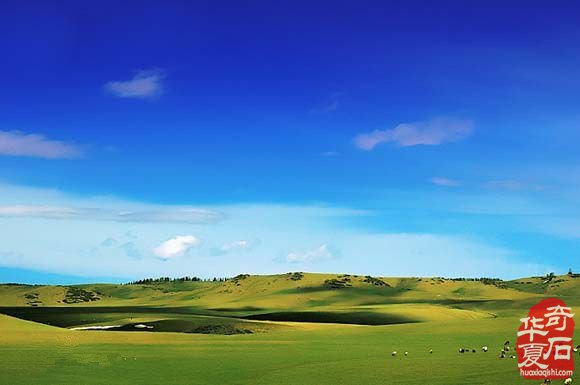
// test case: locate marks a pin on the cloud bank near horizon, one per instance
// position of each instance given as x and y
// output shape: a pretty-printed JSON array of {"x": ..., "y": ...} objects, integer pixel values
[{"x": 306, "y": 237}]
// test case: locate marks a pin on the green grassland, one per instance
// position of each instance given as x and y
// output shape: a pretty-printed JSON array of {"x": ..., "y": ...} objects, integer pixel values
[{"x": 296, "y": 328}]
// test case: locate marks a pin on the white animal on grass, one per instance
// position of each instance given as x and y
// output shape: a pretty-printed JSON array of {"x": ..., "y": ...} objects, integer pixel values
[
  {"x": 406, "y": 353},
  {"x": 393, "y": 354},
  {"x": 484, "y": 348},
  {"x": 568, "y": 381}
]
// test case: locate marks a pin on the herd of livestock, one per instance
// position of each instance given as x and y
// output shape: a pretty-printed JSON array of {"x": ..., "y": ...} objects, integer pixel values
[{"x": 505, "y": 352}]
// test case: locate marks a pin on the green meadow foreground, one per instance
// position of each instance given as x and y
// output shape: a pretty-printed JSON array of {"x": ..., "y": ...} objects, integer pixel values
[{"x": 285, "y": 329}]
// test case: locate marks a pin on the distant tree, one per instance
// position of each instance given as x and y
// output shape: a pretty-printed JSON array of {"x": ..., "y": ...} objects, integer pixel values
[
  {"x": 148, "y": 281},
  {"x": 549, "y": 277}
]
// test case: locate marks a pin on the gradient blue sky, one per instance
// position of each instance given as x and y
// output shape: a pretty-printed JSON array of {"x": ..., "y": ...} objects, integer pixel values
[{"x": 216, "y": 138}]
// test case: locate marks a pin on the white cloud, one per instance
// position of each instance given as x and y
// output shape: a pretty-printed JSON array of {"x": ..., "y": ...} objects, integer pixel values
[
  {"x": 320, "y": 253},
  {"x": 24, "y": 211},
  {"x": 430, "y": 132},
  {"x": 168, "y": 214},
  {"x": 176, "y": 246},
  {"x": 145, "y": 84},
  {"x": 75, "y": 247},
  {"x": 145, "y": 214},
  {"x": 236, "y": 245},
  {"x": 16, "y": 143},
  {"x": 445, "y": 182}
]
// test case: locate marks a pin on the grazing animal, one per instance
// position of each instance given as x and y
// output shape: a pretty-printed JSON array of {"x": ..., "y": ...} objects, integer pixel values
[
  {"x": 393, "y": 354},
  {"x": 502, "y": 355},
  {"x": 547, "y": 381},
  {"x": 406, "y": 354},
  {"x": 473, "y": 350},
  {"x": 461, "y": 350},
  {"x": 506, "y": 343},
  {"x": 484, "y": 349},
  {"x": 431, "y": 351},
  {"x": 568, "y": 381},
  {"x": 507, "y": 348}
]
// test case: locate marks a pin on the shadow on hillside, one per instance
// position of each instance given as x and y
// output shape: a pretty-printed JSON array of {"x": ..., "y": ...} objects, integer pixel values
[{"x": 354, "y": 318}]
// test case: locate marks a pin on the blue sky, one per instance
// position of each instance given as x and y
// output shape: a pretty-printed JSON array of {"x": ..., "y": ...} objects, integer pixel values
[{"x": 217, "y": 138}]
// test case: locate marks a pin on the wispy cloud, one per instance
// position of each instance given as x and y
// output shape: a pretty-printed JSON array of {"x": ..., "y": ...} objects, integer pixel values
[
  {"x": 130, "y": 249},
  {"x": 176, "y": 246},
  {"x": 439, "y": 181},
  {"x": 238, "y": 246},
  {"x": 145, "y": 84},
  {"x": 168, "y": 214},
  {"x": 429, "y": 254},
  {"x": 330, "y": 154},
  {"x": 242, "y": 244},
  {"x": 320, "y": 253},
  {"x": 109, "y": 242},
  {"x": 431, "y": 132},
  {"x": 514, "y": 185},
  {"x": 125, "y": 244},
  {"x": 16, "y": 143},
  {"x": 324, "y": 238},
  {"x": 330, "y": 106}
]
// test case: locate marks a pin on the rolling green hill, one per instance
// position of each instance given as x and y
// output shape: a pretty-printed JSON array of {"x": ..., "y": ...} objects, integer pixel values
[
  {"x": 296, "y": 328},
  {"x": 297, "y": 297}
]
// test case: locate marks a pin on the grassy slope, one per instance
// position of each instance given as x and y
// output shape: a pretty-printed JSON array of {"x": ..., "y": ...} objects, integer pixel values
[
  {"x": 454, "y": 314},
  {"x": 280, "y": 291},
  {"x": 258, "y": 291},
  {"x": 322, "y": 354},
  {"x": 418, "y": 299}
]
